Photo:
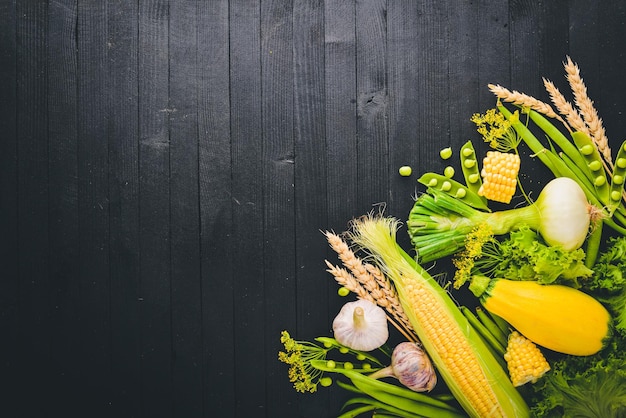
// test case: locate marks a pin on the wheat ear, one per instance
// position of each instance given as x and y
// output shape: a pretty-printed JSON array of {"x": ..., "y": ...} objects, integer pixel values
[
  {"x": 347, "y": 280},
  {"x": 367, "y": 282},
  {"x": 587, "y": 110},
  {"x": 523, "y": 100},
  {"x": 565, "y": 108}
]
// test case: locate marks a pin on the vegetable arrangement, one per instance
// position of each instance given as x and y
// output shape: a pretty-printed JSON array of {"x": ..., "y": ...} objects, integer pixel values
[{"x": 545, "y": 335}]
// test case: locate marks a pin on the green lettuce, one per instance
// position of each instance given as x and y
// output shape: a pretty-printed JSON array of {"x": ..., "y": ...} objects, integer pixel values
[{"x": 524, "y": 256}]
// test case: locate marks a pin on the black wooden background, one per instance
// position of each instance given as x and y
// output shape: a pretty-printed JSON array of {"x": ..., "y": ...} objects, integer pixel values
[{"x": 167, "y": 166}]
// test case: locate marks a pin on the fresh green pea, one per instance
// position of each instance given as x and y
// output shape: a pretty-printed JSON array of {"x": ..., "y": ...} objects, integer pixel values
[
  {"x": 343, "y": 291},
  {"x": 452, "y": 188},
  {"x": 592, "y": 157},
  {"x": 469, "y": 165},
  {"x": 326, "y": 381},
  {"x": 405, "y": 171},
  {"x": 448, "y": 171},
  {"x": 445, "y": 153}
]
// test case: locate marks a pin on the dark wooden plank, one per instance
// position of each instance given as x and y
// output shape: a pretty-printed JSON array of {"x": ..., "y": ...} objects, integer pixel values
[
  {"x": 609, "y": 95},
  {"x": 185, "y": 239},
  {"x": 9, "y": 250},
  {"x": 340, "y": 112},
  {"x": 64, "y": 207},
  {"x": 34, "y": 337},
  {"x": 248, "y": 203},
  {"x": 463, "y": 69},
  {"x": 312, "y": 285},
  {"x": 216, "y": 216},
  {"x": 278, "y": 186},
  {"x": 372, "y": 102},
  {"x": 432, "y": 76},
  {"x": 93, "y": 358},
  {"x": 494, "y": 50},
  {"x": 123, "y": 138},
  {"x": 404, "y": 97},
  {"x": 154, "y": 208}
]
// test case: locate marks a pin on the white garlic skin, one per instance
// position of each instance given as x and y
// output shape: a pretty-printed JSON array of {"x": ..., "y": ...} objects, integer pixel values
[
  {"x": 366, "y": 331},
  {"x": 412, "y": 367}
]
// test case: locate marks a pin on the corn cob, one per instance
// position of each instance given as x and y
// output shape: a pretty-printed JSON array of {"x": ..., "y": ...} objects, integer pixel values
[
  {"x": 465, "y": 363},
  {"x": 525, "y": 361},
  {"x": 499, "y": 175}
]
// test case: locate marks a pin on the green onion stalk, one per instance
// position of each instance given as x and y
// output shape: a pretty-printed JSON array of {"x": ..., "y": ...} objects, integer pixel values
[{"x": 439, "y": 223}]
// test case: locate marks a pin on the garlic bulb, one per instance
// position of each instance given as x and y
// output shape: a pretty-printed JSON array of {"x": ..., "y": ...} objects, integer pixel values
[
  {"x": 361, "y": 326},
  {"x": 411, "y": 366}
]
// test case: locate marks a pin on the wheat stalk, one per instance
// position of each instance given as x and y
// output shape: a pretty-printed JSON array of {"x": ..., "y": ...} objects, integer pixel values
[
  {"x": 523, "y": 100},
  {"x": 347, "y": 280},
  {"x": 587, "y": 110},
  {"x": 368, "y": 282}
]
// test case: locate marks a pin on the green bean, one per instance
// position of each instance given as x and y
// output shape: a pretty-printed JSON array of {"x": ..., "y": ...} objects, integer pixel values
[
  {"x": 454, "y": 189},
  {"x": 561, "y": 141},
  {"x": 363, "y": 382},
  {"x": 617, "y": 179},
  {"x": 491, "y": 340},
  {"x": 531, "y": 141},
  {"x": 370, "y": 404},
  {"x": 593, "y": 160},
  {"x": 500, "y": 322},
  {"x": 469, "y": 166},
  {"x": 491, "y": 325}
]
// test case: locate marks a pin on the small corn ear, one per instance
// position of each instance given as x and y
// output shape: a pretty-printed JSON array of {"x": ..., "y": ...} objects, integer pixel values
[
  {"x": 499, "y": 176},
  {"x": 525, "y": 361}
]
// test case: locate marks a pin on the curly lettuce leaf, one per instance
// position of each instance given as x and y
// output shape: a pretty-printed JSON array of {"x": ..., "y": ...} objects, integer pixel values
[
  {"x": 593, "y": 386},
  {"x": 524, "y": 256}
]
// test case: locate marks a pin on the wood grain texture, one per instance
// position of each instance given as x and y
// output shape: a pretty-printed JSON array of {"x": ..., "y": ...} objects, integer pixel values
[{"x": 167, "y": 167}]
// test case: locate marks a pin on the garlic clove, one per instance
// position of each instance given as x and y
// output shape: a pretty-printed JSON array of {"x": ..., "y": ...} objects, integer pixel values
[{"x": 361, "y": 325}]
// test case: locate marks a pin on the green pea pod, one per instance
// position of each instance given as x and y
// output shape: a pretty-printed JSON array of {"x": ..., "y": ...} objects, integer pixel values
[
  {"x": 331, "y": 342},
  {"x": 454, "y": 189},
  {"x": 593, "y": 160},
  {"x": 469, "y": 166},
  {"x": 593, "y": 244},
  {"x": 617, "y": 179}
]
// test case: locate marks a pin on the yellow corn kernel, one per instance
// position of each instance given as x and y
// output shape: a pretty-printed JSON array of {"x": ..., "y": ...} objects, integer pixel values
[
  {"x": 499, "y": 176},
  {"x": 525, "y": 361}
]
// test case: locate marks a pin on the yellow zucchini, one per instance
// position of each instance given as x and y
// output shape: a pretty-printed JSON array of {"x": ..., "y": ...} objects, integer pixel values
[{"x": 559, "y": 318}]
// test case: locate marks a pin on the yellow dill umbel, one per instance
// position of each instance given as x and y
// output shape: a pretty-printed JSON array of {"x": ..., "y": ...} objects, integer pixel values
[{"x": 464, "y": 361}]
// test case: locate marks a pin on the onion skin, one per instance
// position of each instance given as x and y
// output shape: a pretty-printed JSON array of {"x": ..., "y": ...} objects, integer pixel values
[{"x": 565, "y": 214}]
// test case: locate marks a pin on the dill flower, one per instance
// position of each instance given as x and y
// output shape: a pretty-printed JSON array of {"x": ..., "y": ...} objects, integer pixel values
[
  {"x": 497, "y": 130},
  {"x": 464, "y": 261},
  {"x": 298, "y": 355}
]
